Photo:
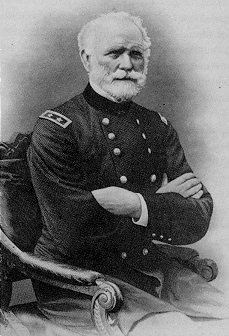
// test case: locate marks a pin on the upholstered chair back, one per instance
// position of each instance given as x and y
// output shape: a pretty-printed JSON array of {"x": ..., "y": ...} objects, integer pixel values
[{"x": 20, "y": 217}]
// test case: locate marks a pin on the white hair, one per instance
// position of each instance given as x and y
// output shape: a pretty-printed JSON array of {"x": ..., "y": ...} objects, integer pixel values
[{"x": 87, "y": 35}]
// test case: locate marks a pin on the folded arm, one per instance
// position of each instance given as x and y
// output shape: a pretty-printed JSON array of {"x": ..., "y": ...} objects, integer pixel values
[{"x": 179, "y": 212}]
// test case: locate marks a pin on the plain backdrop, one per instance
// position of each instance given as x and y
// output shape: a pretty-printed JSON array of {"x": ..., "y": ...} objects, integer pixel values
[{"x": 187, "y": 83}]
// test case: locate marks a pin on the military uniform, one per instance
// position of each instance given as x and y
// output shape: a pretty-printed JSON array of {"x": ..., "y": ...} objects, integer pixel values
[{"x": 90, "y": 143}]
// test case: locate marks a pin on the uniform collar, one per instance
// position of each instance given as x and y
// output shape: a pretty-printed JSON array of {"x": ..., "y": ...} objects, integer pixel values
[{"x": 101, "y": 103}]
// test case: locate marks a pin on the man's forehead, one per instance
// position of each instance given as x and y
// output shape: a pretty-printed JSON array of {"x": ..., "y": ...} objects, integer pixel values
[
  {"x": 119, "y": 42},
  {"x": 118, "y": 32}
]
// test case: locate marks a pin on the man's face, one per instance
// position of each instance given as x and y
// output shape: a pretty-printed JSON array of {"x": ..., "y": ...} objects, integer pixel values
[{"x": 117, "y": 63}]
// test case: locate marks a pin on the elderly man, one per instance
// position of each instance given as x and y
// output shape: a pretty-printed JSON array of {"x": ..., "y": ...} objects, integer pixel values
[{"x": 111, "y": 177}]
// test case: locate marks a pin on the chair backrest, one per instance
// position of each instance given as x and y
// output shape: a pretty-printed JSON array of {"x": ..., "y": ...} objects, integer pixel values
[{"x": 20, "y": 216}]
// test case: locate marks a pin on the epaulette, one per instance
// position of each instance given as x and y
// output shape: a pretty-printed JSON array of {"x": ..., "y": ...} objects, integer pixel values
[
  {"x": 163, "y": 119},
  {"x": 56, "y": 117}
]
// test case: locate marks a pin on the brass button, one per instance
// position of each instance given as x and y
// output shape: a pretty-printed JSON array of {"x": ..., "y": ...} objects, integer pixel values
[
  {"x": 138, "y": 122},
  {"x": 143, "y": 135},
  {"x": 161, "y": 236},
  {"x": 105, "y": 121},
  {"x": 153, "y": 234},
  {"x": 117, "y": 151},
  {"x": 123, "y": 179},
  {"x": 149, "y": 150},
  {"x": 145, "y": 251},
  {"x": 153, "y": 178},
  {"x": 123, "y": 255},
  {"x": 111, "y": 136}
]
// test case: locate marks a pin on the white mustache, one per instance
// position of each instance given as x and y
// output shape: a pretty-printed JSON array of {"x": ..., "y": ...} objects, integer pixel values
[{"x": 121, "y": 74}]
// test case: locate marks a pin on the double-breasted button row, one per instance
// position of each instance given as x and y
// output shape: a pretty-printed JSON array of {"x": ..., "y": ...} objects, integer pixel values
[
  {"x": 105, "y": 122},
  {"x": 111, "y": 136},
  {"x": 117, "y": 151},
  {"x": 144, "y": 136}
]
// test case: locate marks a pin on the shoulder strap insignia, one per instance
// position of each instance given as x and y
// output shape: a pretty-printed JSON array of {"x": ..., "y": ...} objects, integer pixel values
[
  {"x": 56, "y": 117},
  {"x": 163, "y": 119}
]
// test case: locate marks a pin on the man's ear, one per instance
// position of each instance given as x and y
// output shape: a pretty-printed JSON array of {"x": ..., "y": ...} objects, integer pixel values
[{"x": 85, "y": 58}]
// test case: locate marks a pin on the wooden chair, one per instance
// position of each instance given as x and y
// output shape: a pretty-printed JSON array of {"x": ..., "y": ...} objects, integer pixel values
[{"x": 20, "y": 228}]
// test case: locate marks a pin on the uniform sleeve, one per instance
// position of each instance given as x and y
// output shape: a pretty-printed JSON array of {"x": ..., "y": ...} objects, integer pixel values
[
  {"x": 61, "y": 185},
  {"x": 172, "y": 218}
]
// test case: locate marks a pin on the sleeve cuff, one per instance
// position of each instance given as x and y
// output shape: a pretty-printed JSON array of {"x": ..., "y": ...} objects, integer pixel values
[{"x": 143, "y": 220}]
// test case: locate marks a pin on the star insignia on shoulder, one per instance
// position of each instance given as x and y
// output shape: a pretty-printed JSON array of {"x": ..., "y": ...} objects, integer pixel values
[
  {"x": 163, "y": 119},
  {"x": 56, "y": 117}
]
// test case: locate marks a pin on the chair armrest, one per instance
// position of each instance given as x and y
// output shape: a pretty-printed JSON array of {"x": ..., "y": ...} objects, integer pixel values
[
  {"x": 106, "y": 296},
  {"x": 189, "y": 257},
  {"x": 45, "y": 270},
  {"x": 207, "y": 268}
]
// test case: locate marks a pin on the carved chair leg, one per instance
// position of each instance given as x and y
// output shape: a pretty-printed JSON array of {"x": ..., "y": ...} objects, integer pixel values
[{"x": 107, "y": 299}]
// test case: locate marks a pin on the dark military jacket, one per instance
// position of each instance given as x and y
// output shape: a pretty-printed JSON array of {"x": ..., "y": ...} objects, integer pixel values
[{"x": 90, "y": 143}]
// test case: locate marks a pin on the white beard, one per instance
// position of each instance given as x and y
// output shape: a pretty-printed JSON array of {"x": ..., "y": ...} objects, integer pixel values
[{"x": 119, "y": 90}]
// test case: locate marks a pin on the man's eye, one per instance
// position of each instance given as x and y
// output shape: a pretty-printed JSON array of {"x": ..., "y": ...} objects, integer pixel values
[
  {"x": 115, "y": 53},
  {"x": 136, "y": 54}
]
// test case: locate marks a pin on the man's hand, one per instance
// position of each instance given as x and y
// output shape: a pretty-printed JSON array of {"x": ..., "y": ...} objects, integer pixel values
[
  {"x": 186, "y": 185},
  {"x": 119, "y": 201}
]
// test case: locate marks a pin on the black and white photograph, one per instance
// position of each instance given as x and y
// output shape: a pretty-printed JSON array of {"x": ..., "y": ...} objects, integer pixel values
[{"x": 114, "y": 184}]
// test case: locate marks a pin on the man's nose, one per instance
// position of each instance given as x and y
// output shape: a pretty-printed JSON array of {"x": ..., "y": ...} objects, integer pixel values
[{"x": 125, "y": 62}]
